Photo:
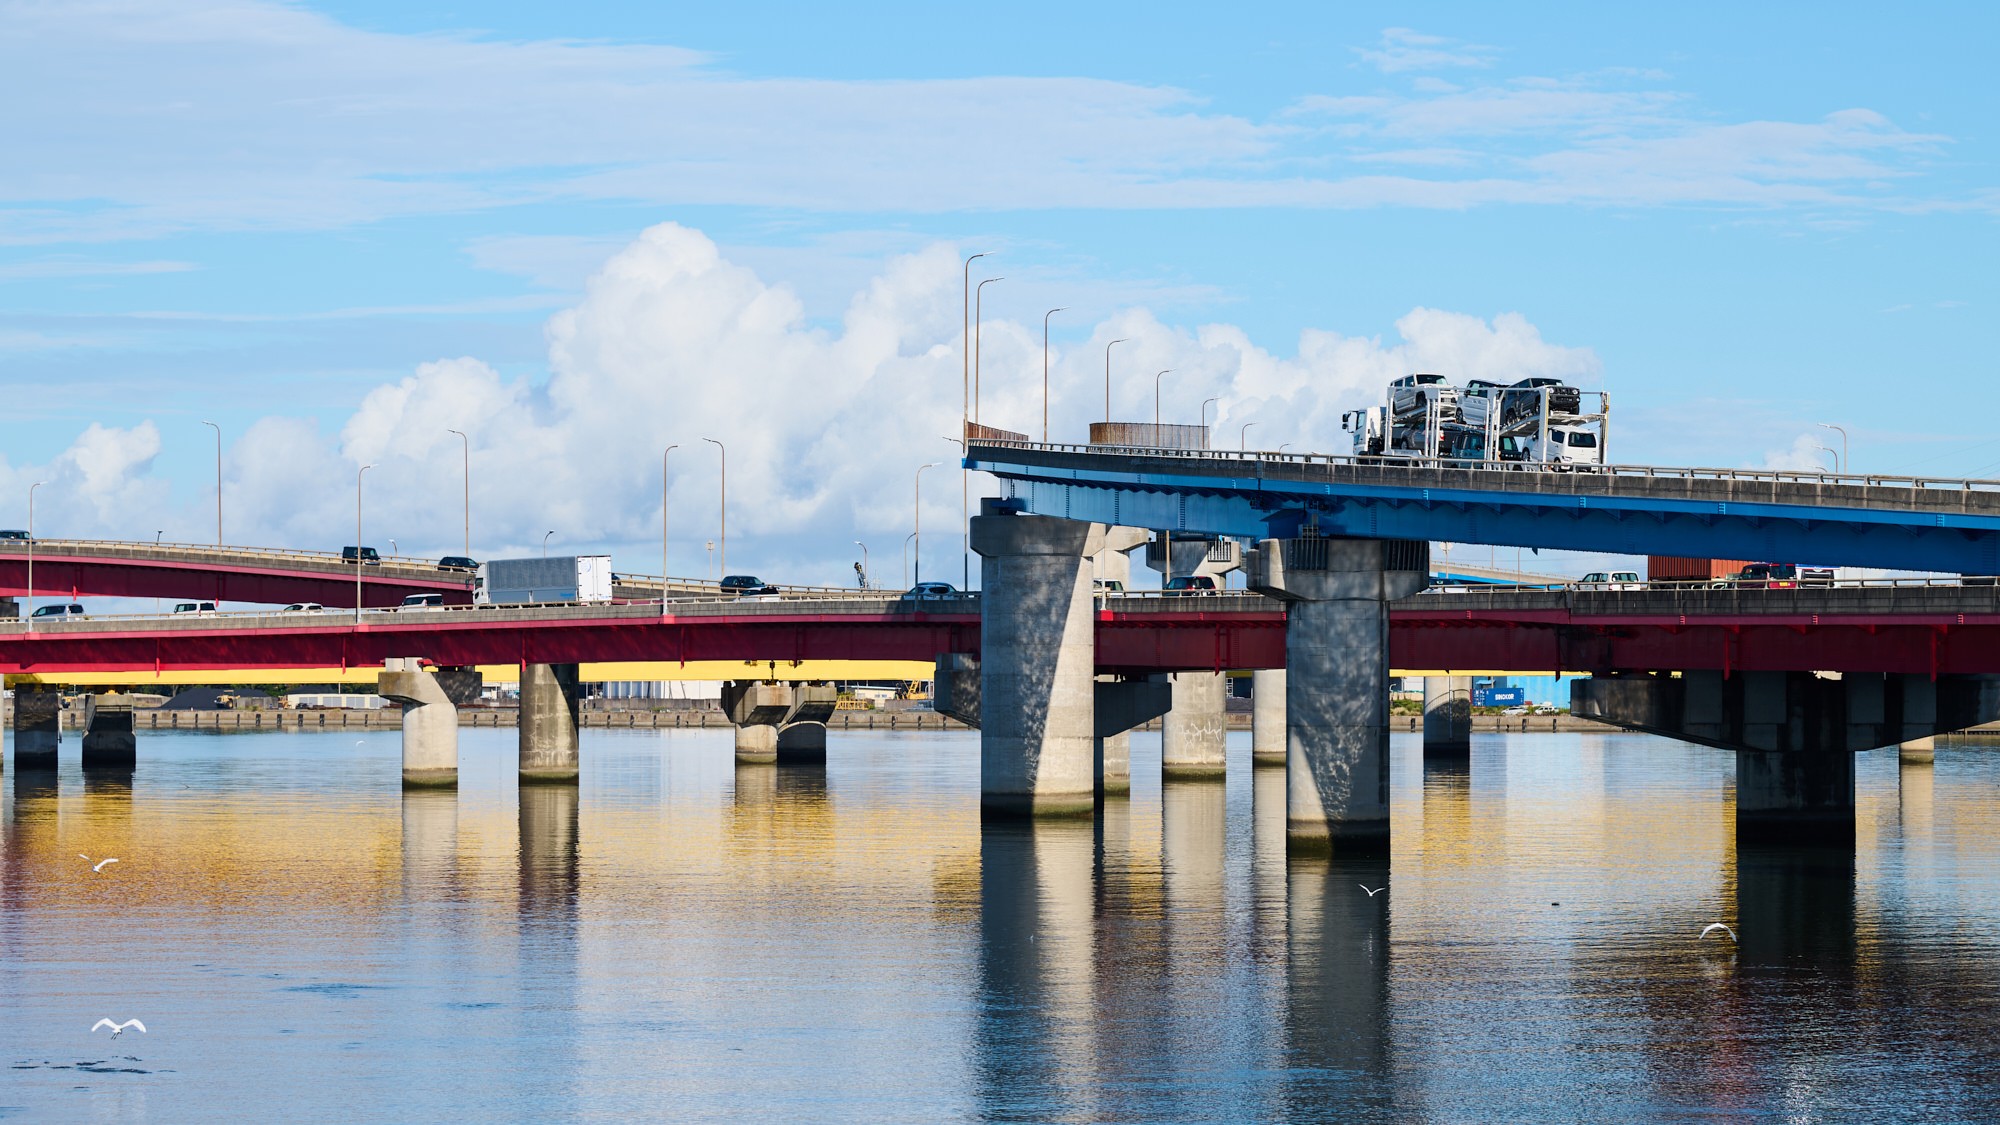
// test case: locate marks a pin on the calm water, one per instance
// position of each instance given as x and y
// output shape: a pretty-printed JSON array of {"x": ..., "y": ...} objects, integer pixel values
[{"x": 685, "y": 939}]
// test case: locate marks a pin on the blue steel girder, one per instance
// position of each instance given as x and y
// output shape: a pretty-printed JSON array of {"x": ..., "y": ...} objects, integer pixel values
[{"x": 1253, "y": 507}]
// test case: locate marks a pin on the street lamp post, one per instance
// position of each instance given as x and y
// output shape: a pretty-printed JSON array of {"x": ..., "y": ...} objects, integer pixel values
[
  {"x": 864, "y": 562},
  {"x": 1827, "y": 449},
  {"x": 965, "y": 411},
  {"x": 978, "y": 316},
  {"x": 1156, "y": 406},
  {"x": 358, "y": 475},
  {"x": 1841, "y": 465},
  {"x": 1204, "y": 420},
  {"x": 1243, "y": 437},
  {"x": 917, "y": 516},
  {"x": 545, "y": 543},
  {"x": 663, "y": 526},
  {"x": 218, "y": 482},
  {"x": 1107, "y": 378},
  {"x": 722, "y": 508},
  {"x": 1045, "y": 370},
  {"x": 906, "y": 560},
  {"x": 466, "y": 442},
  {"x": 31, "y": 552}
]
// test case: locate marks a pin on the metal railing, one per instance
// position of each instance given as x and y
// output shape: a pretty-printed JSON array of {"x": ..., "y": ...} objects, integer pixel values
[
  {"x": 1765, "y": 476},
  {"x": 141, "y": 549}
]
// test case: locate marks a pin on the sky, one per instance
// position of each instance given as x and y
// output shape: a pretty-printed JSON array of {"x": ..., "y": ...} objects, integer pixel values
[{"x": 581, "y": 233}]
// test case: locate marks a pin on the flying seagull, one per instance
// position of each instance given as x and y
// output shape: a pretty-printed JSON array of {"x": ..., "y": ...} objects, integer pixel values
[
  {"x": 1714, "y": 926},
  {"x": 101, "y": 863},
  {"x": 83, "y": 857},
  {"x": 117, "y": 1029},
  {"x": 1376, "y": 891}
]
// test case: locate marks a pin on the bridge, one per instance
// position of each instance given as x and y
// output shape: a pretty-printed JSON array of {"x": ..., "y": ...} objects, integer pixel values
[{"x": 1054, "y": 672}]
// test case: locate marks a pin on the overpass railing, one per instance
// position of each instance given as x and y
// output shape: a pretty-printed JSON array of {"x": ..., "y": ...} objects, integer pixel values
[{"x": 1656, "y": 472}]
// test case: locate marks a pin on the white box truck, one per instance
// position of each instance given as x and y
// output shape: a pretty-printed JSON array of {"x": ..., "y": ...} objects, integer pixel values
[{"x": 564, "y": 578}]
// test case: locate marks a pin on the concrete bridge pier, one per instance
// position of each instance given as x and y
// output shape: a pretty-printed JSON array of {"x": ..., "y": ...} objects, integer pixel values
[
  {"x": 1194, "y": 733},
  {"x": 1267, "y": 717},
  {"x": 802, "y": 739},
  {"x": 1037, "y": 682},
  {"x": 1118, "y": 706},
  {"x": 1918, "y": 751},
  {"x": 1447, "y": 717},
  {"x": 108, "y": 741},
  {"x": 1794, "y": 733},
  {"x": 779, "y": 722},
  {"x": 37, "y": 727},
  {"x": 551, "y": 748},
  {"x": 1337, "y": 682},
  {"x": 430, "y": 717}
]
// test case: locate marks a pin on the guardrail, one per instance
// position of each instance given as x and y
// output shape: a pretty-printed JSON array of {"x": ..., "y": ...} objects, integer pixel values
[
  {"x": 1767, "y": 476},
  {"x": 140, "y": 549}
]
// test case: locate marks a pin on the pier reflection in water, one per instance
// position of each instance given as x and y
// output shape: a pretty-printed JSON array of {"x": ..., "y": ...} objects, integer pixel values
[{"x": 683, "y": 937}]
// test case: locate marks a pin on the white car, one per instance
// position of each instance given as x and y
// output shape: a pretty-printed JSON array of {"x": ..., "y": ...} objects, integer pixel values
[
  {"x": 1611, "y": 580},
  {"x": 203, "y": 608},
  {"x": 304, "y": 607},
  {"x": 1520, "y": 709},
  {"x": 422, "y": 601}
]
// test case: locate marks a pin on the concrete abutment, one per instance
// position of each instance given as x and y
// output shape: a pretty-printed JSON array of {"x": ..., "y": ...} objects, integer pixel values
[{"x": 430, "y": 717}]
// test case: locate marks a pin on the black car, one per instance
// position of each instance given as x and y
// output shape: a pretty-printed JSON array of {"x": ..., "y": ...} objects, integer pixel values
[
  {"x": 745, "y": 584},
  {"x": 1192, "y": 585},
  {"x": 13, "y": 533},
  {"x": 457, "y": 562},
  {"x": 360, "y": 556}
]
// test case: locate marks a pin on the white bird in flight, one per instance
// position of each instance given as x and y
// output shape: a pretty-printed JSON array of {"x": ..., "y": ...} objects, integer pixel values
[
  {"x": 1376, "y": 891},
  {"x": 117, "y": 1029},
  {"x": 1714, "y": 926},
  {"x": 101, "y": 863}
]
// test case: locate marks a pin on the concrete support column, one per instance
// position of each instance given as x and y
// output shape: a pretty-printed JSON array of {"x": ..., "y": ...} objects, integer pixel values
[
  {"x": 1918, "y": 751},
  {"x": 108, "y": 740},
  {"x": 37, "y": 727},
  {"x": 1037, "y": 649},
  {"x": 551, "y": 698},
  {"x": 1121, "y": 705},
  {"x": 1267, "y": 717},
  {"x": 1337, "y": 686},
  {"x": 802, "y": 737},
  {"x": 757, "y": 743},
  {"x": 1447, "y": 717},
  {"x": 430, "y": 723},
  {"x": 1195, "y": 732},
  {"x": 1112, "y": 764},
  {"x": 1795, "y": 797}
]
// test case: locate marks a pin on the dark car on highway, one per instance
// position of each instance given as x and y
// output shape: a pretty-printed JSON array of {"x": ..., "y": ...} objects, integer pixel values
[
  {"x": 1195, "y": 584},
  {"x": 928, "y": 590},
  {"x": 360, "y": 555},
  {"x": 745, "y": 584},
  {"x": 457, "y": 562},
  {"x": 13, "y": 533}
]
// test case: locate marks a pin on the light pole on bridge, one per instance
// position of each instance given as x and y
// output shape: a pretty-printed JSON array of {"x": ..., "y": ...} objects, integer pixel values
[
  {"x": 906, "y": 560},
  {"x": 917, "y": 517},
  {"x": 1841, "y": 465},
  {"x": 965, "y": 410},
  {"x": 31, "y": 552},
  {"x": 978, "y": 316},
  {"x": 1156, "y": 406},
  {"x": 358, "y": 475},
  {"x": 466, "y": 443},
  {"x": 722, "y": 506},
  {"x": 545, "y": 543},
  {"x": 1045, "y": 370},
  {"x": 1204, "y": 420},
  {"x": 218, "y": 482},
  {"x": 663, "y": 526},
  {"x": 1107, "y": 375},
  {"x": 1243, "y": 438}
]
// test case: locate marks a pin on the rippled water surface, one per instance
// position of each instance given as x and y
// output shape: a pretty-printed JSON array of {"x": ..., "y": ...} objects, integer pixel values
[{"x": 682, "y": 938}]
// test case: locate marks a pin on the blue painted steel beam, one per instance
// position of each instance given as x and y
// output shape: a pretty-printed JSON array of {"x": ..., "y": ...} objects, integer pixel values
[{"x": 1109, "y": 490}]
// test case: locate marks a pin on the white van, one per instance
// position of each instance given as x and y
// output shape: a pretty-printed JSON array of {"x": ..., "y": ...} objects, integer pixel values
[{"x": 194, "y": 607}]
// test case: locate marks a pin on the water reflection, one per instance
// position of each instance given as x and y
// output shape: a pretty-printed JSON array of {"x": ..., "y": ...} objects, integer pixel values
[
  {"x": 1037, "y": 968},
  {"x": 682, "y": 938},
  {"x": 1337, "y": 1004},
  {"x": 1795, "y": 909}
]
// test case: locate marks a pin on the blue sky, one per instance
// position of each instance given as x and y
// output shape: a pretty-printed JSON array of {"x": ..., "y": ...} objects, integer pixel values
[{"x": 1739, "y": 224}]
